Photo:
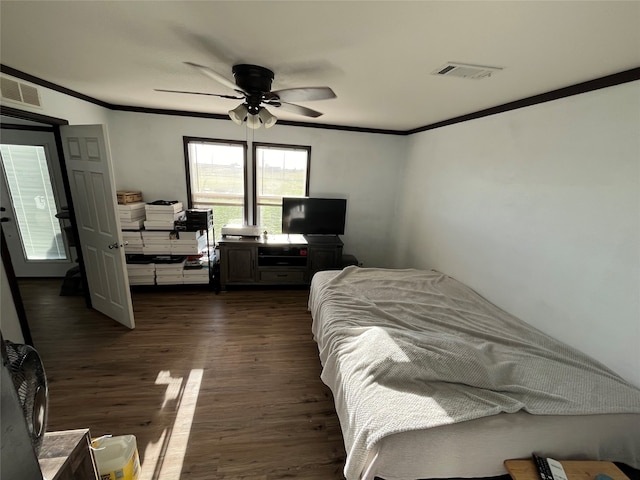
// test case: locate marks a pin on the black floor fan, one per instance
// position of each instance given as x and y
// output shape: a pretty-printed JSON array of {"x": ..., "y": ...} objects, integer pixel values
[{"x": 30, "y": 382}]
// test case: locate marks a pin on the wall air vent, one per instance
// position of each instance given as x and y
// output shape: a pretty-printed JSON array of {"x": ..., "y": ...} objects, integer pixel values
[
  {"x": 20, "y": 92},
  {"x": 464, "y": 70}
]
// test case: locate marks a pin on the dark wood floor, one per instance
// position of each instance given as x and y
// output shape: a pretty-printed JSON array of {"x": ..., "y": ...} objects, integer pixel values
[{"x": 213, "y": 386}]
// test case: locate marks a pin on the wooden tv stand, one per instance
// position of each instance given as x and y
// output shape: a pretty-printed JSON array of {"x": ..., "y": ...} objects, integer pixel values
[{"x": 277, "y": 259}]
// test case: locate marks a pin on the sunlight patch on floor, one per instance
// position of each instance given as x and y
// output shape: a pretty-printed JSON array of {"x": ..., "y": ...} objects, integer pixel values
[{"x": 172, "y": 444}]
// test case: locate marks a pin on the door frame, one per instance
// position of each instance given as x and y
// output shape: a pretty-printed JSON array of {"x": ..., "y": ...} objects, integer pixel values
[
  {"x": 54, "y": 124},
  {"x": 15, "y": 291}
]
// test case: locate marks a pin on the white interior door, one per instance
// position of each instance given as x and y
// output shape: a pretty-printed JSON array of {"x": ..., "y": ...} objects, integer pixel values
[
  {"x": 32, "y": 193},
  {"x": 91, "y": 180}
]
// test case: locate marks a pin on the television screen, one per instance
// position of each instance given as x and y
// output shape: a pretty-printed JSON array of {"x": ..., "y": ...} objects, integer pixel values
[{"x": 313, "y": 216}]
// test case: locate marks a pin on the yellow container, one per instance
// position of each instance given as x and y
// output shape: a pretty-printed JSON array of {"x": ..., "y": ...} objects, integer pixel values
[{"x": 117, "y": 457}]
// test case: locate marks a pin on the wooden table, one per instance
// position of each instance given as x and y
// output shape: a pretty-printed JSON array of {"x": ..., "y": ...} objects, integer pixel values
[
  {"x": 575, "y": 469},
  {"x": 66, "y": 455}
]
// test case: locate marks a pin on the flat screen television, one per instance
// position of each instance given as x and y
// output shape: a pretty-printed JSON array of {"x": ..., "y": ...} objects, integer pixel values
[{"x": 313, "y": 216}]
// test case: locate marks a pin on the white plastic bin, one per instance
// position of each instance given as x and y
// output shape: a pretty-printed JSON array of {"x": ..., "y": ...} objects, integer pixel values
[{"x": 117, "y": 457}]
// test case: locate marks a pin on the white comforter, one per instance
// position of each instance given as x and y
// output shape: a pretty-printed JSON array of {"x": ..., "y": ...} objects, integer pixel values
[{"x": 407, "y": 350}]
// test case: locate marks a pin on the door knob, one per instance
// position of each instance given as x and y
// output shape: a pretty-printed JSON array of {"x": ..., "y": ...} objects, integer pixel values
[{"x": 113, "y": 245}]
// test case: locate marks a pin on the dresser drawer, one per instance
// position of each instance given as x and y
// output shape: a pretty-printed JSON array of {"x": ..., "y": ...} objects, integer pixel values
[{"x": 281, "y": 276}]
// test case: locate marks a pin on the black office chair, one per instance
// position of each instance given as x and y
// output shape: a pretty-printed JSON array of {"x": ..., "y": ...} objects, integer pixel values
[{"x": 72, "y": 283}]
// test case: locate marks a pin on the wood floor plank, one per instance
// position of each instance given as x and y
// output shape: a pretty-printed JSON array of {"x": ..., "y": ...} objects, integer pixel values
[{"x": 213, "y": 386}]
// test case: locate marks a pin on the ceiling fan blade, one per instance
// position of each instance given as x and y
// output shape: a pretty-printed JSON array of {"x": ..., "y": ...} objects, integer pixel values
[
  {"x": 304, "y": 94},
  {"x": 216, "y": 76},
  {"x": 199, "y": 93},
  {"x": 299, "y": 109}
]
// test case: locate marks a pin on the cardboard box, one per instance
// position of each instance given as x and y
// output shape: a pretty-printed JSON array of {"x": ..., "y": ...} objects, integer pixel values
[{"x": 125, "y": 197}]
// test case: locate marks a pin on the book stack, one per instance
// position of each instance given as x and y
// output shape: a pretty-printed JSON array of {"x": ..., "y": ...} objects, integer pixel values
[
  {"x": 196, "y": 268},
  {"x": 156, "y": 242},
  {"x": 196, "y": 275},
  {"x": 162, "y": 214},
  {"x": 195, "y": 261},
  {"x": 132, "y": 215},
  {"x": 188, "y": 243},
  {"x": 169, "y": 270},
  {"x": 141, "y": 273},
  {"x": 132, "y": 242}
]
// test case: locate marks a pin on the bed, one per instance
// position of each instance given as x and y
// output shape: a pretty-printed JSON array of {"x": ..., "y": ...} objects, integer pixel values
[{"x": 430, "y": 380}]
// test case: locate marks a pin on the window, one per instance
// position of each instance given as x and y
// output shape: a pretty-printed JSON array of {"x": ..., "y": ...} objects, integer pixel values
[
  {"x": 29, "y": 185},
  {"x": 216, "y": 179},
  {"x": 281, "y": 171},
  {"x": 218, "y": 172}
]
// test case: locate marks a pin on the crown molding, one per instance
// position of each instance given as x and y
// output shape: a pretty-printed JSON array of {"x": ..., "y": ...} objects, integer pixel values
[{"x": 584, "y": 87}]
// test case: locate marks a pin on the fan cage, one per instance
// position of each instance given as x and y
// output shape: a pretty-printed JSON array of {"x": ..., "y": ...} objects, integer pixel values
[{"x": 30, "y": 382}]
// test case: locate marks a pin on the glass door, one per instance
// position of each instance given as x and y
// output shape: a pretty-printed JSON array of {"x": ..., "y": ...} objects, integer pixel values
[{"x": 31, "y": 191}]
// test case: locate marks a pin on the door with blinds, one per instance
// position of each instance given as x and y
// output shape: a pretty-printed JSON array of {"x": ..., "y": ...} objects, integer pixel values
[{"x": 32, "y": 195}]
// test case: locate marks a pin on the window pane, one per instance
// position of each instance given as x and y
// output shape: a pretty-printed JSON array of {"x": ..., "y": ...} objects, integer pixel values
[
  {"x": 270, "y": 218},
  {"x": 27, "y": 174},
  {"x": 217, "y": 181},
  {"x": 280, "y": 172}
]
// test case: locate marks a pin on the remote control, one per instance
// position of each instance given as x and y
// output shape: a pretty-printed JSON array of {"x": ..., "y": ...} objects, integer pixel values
[
  {"x": 544, "y": 470},
  {"x": 549, "y": 469}
]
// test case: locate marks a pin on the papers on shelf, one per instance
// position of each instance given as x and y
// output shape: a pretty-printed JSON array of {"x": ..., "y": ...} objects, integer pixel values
[
  {"x": 173, "y": 208},
  {"x": 166, "y": 270},
  {"x": 131, "y": 212},
  {"x": 195, "y": 235},
  {"x": 158, "y": 224},
  {"x": 131, "y": 224}
]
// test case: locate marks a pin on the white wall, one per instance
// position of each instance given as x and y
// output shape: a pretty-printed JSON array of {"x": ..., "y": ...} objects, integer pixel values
[
  {"x": 538, "y": 209},
  {"x": 147, "y": 151},
  {"x": 58, "y": 105}
]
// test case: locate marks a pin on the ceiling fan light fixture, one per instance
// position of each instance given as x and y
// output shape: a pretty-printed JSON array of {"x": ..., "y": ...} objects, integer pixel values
[
  {"x": 253, "y": 121},
  {"x": 239, "y": 114},
  {"x": 267, "y": 118}
]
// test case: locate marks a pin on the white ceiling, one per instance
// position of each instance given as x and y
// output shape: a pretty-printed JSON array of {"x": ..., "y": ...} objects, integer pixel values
[{"x": 377, "y": 56}]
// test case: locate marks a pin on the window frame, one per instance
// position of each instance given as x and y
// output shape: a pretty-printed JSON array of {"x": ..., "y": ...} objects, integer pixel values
[
  {"x": 254, "y": 156},
  {"x": 187, "y": 140},
  {"x": 249, "y": 170}
]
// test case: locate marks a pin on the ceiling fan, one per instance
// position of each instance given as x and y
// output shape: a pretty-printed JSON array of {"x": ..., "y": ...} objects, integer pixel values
[{"x": 253, "y": 86}]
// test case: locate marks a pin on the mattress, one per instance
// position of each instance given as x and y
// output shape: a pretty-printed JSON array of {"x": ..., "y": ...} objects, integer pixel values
[{"x": 432, "y": 423}]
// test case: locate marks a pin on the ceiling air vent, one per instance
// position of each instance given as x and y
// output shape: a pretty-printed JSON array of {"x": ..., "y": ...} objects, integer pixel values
[
  {"x": 463, "y": 70},
  {"x": 19, "y": 92}
]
